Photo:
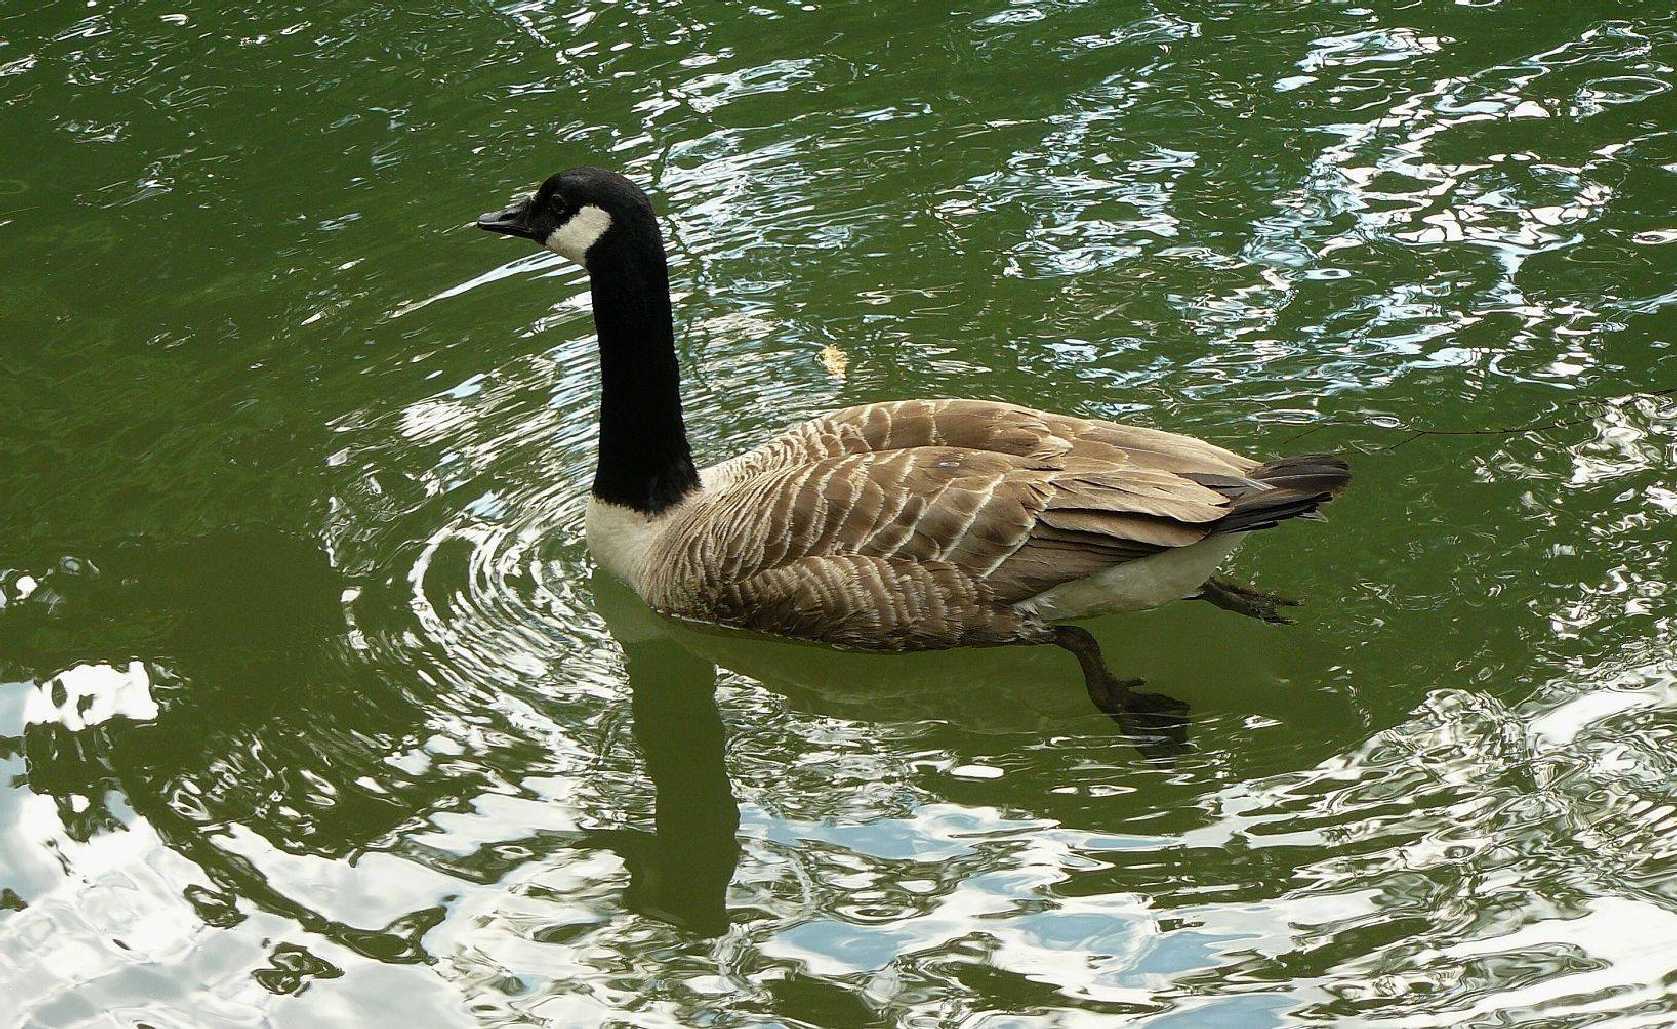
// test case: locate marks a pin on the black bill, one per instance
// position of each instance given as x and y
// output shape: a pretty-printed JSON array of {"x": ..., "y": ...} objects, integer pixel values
[{"x": 514, "y": 221}]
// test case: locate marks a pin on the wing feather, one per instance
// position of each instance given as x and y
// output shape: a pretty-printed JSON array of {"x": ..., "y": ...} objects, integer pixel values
[{"x": 963, "y": 504}]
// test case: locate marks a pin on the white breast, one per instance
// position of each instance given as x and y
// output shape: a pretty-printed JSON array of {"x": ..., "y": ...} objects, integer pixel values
[{"x": 620, "y": 539}]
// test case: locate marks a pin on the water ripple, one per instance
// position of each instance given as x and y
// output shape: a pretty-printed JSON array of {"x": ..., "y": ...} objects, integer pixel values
[{"x": 339, "y": 727}]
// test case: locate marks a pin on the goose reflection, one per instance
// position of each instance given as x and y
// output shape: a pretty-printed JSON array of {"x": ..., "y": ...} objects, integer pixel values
[
  {"x": 1005, "y": 689},
  {"x": 679, "y": 872}
]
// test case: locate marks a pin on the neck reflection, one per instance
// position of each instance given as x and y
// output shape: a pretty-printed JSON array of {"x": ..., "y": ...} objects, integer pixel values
[{"x": 680, "y": 872}]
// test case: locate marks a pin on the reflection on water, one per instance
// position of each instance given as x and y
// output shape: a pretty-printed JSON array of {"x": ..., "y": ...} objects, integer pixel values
[
  {"x": 681, "y": 871},
  {"x": 312, "y": 712}
]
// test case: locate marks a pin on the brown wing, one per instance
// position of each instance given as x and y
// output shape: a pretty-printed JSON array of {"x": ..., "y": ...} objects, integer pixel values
[
  {"x": 1014, "y": 525},
  {"x": 979, "y": 425},
  {"x": 920, "y": 523}
]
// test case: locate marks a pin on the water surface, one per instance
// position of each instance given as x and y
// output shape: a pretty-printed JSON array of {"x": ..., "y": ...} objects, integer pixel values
[{"x": 314, "y": 712}]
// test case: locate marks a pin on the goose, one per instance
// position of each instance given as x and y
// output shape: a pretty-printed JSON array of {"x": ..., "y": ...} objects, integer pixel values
[{"x": 903, "y": 525}]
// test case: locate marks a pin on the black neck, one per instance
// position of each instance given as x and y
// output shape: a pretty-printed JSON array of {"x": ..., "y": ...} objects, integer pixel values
[{"x": 644, "y": 462}]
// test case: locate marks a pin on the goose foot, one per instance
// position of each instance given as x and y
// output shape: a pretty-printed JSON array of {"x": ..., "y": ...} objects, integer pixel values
[
  {"x": 1158, "y": 724},
  {"x": 1231, "y": 596}
]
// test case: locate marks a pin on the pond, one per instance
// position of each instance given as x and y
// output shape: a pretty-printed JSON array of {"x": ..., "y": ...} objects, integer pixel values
[{"x": 315, "y": 710}]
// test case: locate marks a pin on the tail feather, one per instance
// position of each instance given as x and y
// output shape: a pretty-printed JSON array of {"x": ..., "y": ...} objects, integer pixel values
[
  {"x": 1322, "y": 473},
  {"x": 1292, "y": 487}
]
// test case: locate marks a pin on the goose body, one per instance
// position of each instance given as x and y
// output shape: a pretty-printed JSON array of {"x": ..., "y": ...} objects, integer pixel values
[
  {"x": 911, "y": 525},
  {"x": 937, "y": 523}
]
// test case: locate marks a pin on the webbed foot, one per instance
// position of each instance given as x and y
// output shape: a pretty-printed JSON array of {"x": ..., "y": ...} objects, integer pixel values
[
  {"x": 1157, "y": 724},
  {"x": 1231, "y": 596}
]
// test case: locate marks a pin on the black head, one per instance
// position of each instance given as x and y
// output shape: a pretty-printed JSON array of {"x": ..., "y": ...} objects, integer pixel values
[
  {"x": 602, "y": 221},
  {"x": 574, "y": 210}
]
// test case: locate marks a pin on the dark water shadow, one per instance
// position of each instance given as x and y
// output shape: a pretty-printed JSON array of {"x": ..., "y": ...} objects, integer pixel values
[{"x": 218, "y": 602}]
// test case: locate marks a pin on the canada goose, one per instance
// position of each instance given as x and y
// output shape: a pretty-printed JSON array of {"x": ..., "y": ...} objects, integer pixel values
[{"x": 910, "y": 525}]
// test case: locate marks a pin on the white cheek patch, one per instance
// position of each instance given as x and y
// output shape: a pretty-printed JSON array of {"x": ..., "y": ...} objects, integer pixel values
[{"x": 572, "y": 239}]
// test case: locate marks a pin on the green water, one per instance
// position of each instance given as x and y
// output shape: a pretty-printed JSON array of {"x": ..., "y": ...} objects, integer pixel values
[{"x": 313, "y": 711}]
